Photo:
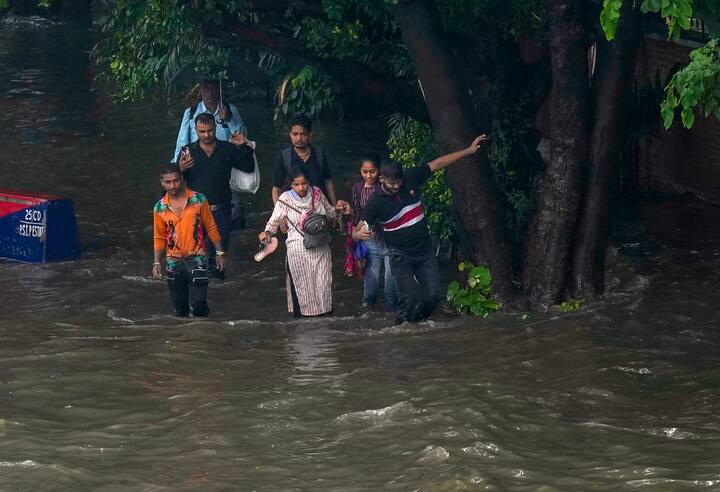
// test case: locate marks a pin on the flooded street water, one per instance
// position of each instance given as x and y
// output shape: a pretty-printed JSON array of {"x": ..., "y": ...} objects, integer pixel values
[{"x": 100, "y": 389}]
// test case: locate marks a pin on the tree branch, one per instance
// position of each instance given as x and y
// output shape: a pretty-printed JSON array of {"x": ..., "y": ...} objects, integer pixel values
[{"x": 391, "y": 93}]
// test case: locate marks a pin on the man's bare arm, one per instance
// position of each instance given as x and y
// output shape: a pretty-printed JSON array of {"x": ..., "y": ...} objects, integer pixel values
[{"x": 448, "y": 159}]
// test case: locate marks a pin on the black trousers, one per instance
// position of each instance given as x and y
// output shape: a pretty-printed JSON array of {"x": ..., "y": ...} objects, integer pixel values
[
  {"x": 188, "y": 285},
  {"x": 415, "y": 273}
]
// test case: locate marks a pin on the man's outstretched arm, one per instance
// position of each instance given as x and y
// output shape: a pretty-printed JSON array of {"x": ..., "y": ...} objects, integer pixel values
[{"x": 447, "y": 159}]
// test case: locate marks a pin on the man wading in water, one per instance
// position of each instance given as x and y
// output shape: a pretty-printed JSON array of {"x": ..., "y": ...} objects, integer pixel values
[
  {"x": 206, "y": 166},
  {"x": 396, "y": 208},
  {"x": 180, "y": 221}
]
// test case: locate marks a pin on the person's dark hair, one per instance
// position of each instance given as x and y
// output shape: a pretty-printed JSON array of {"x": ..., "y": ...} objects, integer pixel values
[
  {"x": 297, "y": 171},
  {"x": 205, "y": 119},
  {"x": 391, "y": 170},
  {"x": 170, "y": 168},
  {"x": 371, "y": 157},
  {"x": 210, "y": 81},
  {"x": 299, "y": 119}
]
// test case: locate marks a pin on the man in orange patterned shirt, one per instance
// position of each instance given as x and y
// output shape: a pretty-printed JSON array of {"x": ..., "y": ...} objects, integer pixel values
[{"x": 180, "y": 220}]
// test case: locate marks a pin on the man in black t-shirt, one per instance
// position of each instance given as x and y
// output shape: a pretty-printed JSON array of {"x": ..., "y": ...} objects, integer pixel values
[
  {"x": 206, "y": 166},
  {"x": 396, "y": 208},
  {"x": 302, "y": 152}
]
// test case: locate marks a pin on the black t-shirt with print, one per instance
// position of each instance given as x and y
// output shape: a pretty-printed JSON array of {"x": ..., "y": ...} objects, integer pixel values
[{"x": 401, "y": 216}]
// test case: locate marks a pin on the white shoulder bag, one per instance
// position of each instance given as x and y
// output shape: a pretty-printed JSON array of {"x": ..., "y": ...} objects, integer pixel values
[{"x": 246, "y": 182}]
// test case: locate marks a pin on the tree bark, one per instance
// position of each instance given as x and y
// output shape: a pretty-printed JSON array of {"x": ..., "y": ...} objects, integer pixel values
[
  {"x": 455, "y": 125},
  {"x": 546, "y": 266},
  {"x": 614, "y": 61}
]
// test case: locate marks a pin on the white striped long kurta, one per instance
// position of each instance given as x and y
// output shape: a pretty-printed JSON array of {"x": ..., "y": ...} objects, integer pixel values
[{"x": 311, "y": 269}]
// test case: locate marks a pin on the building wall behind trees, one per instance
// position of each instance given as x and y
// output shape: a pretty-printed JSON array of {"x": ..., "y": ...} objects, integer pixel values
[{"x": 678, "y": 160}]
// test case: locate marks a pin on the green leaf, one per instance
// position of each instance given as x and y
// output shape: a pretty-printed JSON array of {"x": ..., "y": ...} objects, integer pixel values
[
  {"x": 453, "y": 289},
  {"x": 609, "y": 17},
  {"x": 668, "y": 114},
  {"x": 650, "y": 6},
  {"x": 688, "y": 117},
  {"x": 482, "y": 276}
]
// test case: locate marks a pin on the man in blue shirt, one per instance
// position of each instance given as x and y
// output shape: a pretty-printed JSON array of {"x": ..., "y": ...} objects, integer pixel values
[
  {"x": 227, "y": 117},
  {"x": 227, "y": 124}
]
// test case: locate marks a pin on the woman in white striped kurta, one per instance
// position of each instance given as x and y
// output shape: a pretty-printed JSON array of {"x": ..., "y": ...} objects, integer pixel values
[{"x": 309, "y": 271}]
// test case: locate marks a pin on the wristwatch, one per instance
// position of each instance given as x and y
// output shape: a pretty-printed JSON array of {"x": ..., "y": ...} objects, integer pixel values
[{"x": 219, "y": 253}]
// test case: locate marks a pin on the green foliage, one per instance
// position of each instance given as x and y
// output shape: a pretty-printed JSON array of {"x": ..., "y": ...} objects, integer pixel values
[
  {"x": 149, "y": 42},
  {"x": 677, "y": 14},
  {"x": 512, "y": 166},
  {"x": 610, "y": 16},
  {"x": 505, "y": 18},
  {"x": 309, "y": 91},
  {"x": 474, "y": 296},
  {"x": 571, "y": 305},
  {"x": 410, "y": 144},
  {"x": 695, "y": 86},
  {"x": 4, "y": 4}
]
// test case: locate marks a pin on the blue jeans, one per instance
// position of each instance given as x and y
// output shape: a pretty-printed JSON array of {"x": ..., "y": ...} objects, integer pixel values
[{"x": 377, "y": 256}]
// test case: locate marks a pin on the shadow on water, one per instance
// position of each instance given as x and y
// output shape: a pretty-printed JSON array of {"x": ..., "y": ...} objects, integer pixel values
[{"x": 101, "y": 390}]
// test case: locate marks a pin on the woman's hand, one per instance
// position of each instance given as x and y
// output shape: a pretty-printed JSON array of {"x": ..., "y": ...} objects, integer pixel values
[
  {"x": 264, "y": 236},
  {"x": 343, "y": 207}
]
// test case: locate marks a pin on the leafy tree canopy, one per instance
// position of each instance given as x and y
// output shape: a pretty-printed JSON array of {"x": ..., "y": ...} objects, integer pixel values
[{"x": 307, "y": 46}]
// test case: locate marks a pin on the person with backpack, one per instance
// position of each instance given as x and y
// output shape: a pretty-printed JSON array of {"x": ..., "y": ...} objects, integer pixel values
[
  {"x": 206, "y": 98},
  {"x": 302, "y": 152}
]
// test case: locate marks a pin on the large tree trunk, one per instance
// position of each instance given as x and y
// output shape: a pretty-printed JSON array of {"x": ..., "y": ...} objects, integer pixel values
[
  {"x": 551, "y": 233},
  {"x": 455, "y": 125},
  {"x": 614, "y": 61}
]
